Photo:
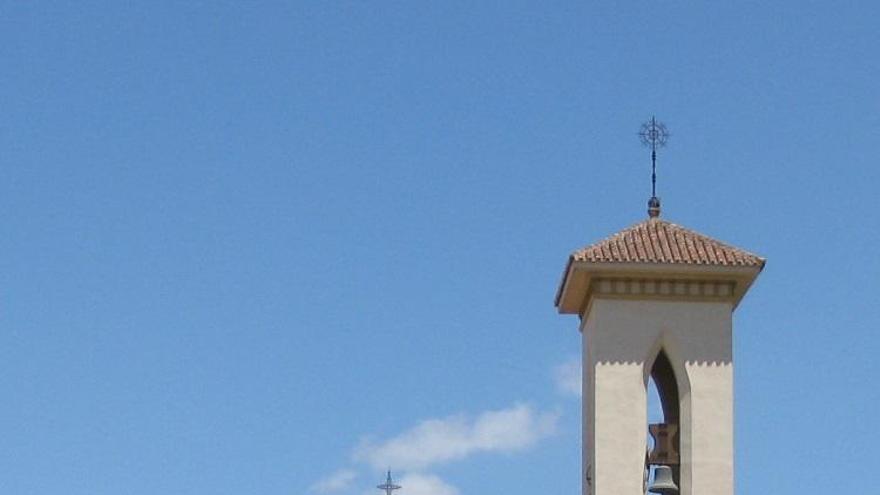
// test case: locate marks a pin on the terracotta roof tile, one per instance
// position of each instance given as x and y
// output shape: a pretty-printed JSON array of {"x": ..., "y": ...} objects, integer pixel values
[{"x": 659, "y": 241}]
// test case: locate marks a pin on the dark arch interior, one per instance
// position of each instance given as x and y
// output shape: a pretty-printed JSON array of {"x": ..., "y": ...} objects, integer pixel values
[
  {"x": 667, "y": 387},
  {"x": 663, "y": 377}
]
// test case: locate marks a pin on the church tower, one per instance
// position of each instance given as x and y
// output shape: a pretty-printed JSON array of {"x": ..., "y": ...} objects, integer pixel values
[{"x": 656, "y": 302}]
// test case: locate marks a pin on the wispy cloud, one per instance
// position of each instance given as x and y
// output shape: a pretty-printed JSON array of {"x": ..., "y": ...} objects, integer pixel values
[
  {"x": 340, "y": 480},
  {"x": 440, "y": 440},
  {"x": 426, "y": 484},
  {"x": 568, "y": 377},
  {"x": 435, "y": 441}
]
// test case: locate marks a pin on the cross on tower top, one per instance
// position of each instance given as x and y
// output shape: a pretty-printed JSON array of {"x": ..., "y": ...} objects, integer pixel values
[
  {"x": 654, "y": 135},
  {"x": 389, "y": 485}
]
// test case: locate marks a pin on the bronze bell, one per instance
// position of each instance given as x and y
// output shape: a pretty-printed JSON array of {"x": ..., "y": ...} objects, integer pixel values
[{"x": 663, "y": 483}]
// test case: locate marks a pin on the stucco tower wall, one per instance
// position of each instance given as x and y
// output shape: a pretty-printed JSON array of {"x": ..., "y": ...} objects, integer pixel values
[{"x": 621, "y": 338}]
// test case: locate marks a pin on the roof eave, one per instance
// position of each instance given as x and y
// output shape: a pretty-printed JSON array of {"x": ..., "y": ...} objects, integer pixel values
[{"x": 573, "y": 293}]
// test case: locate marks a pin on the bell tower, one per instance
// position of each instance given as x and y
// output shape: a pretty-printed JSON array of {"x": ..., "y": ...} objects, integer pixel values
[{"x": 656, "y": 302}]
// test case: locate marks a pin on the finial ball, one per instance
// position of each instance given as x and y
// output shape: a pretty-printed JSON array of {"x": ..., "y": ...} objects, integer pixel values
[{"x": 654, "y": 207}]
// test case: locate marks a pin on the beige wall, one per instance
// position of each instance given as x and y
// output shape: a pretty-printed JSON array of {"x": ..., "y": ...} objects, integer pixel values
[{"x": 621, "y": 339}]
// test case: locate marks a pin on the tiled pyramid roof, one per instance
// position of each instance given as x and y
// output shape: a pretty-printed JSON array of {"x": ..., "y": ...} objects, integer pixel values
[{"x": 659, "y": 241}]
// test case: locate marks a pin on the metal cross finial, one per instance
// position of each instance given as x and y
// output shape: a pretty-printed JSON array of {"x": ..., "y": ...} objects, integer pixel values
[
  {"x": 654, "y": 135},
  {"x": 389, "y": 485}
]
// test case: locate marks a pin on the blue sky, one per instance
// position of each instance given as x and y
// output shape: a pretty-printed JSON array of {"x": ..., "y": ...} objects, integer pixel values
[{"x": 270, "y": 248}]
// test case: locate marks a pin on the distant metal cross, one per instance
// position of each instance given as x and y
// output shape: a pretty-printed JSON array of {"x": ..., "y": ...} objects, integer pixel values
[
  {"x": 389, "y": 485},
  {"x": 654, "y": 135}
]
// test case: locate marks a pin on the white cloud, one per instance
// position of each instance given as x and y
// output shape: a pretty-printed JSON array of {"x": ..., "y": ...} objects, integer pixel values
[
  {"x": 340, "y": 480},
  {"x": 435, "y": 441},
  {"x": 568, "y": 377},
  {"x": 426, "y": 484}
]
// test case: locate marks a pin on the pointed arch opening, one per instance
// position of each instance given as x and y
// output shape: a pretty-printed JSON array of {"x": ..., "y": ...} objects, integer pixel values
[
  {"x": 663, "y": 377},
  {"x": 664, "y": 415}
]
